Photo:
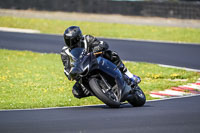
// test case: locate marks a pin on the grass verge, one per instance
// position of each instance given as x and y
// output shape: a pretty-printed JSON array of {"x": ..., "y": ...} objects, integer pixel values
[
  {"x": 36, "y": 80},
  {"x": 115, "y": 30}
]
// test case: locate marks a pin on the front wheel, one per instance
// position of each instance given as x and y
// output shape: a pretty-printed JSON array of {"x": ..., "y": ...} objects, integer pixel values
[
  {"x": 137, "y": 98},
  {"x": 109, "y": 96}
]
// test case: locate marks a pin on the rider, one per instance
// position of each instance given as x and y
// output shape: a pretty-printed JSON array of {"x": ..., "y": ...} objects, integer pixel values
[{"x": 73, "y": 38}]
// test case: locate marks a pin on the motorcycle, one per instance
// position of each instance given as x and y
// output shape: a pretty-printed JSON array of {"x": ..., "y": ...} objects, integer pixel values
[{"x": 103, "y": 79}]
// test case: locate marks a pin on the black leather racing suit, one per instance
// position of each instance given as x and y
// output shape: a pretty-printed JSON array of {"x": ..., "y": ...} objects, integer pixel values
[{"x": 91, "y": 44}]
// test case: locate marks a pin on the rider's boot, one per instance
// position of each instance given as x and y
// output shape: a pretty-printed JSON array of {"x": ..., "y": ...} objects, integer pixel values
[
  {"x": 130, "y": 78},
  {"x": 133, "y": 78}
]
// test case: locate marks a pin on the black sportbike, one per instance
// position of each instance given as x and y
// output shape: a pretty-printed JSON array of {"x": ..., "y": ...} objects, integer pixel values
[{"x": 103, "y": 79}]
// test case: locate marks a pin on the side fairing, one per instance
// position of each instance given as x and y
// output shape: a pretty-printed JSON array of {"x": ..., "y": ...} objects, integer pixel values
[
  {"x": 111, "y": 69},
  {"x": 108, "y": 67}
]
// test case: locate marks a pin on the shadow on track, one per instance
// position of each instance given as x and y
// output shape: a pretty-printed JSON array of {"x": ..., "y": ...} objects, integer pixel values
[{"x": 123, "y": 106}]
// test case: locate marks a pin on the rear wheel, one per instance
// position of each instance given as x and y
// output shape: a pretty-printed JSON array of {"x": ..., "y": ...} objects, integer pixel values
[
  {"x": 138, "y": 98},
  {"x": 110, "y": 97}
]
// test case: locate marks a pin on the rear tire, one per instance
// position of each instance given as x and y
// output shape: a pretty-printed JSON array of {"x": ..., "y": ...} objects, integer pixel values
[
  {"x": 138, "y": 98},
  {"x": 98, "y": 91}
]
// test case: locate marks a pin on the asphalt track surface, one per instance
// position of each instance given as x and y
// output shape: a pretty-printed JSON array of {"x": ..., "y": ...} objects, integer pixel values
[
  {"x": 180, "y": 115},
  {"x": 168, "y": 116},
  {"x": 175, "y": 54}
]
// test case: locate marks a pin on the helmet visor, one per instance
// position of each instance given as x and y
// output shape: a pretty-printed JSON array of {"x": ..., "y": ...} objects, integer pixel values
[
  {"x": 71, "y": 42},
  {"x": 68, "y": 41}
]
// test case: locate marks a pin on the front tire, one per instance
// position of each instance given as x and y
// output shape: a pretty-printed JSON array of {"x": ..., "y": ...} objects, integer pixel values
[
  {"x": 109, "y": 98},
  {"x": 138, "y": 97}
]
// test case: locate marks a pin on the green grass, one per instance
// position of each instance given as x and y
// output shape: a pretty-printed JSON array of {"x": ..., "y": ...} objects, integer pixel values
[
  {"x": 36, "y": 80},
  {"x": 106, "y": 29}
]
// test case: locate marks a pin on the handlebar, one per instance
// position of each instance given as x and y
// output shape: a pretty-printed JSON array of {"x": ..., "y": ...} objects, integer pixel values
[{"x": 98, "y": 53}]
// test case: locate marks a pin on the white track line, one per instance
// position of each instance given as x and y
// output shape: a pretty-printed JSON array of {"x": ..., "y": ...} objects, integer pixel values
[
  {"x": 18, "y": 30},
  {"x": 184, "y": 68},
  {"x": 171, "y": 98}
]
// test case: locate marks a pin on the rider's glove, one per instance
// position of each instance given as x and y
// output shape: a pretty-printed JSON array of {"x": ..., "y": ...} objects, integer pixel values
[{"x": 101, "y": 47}]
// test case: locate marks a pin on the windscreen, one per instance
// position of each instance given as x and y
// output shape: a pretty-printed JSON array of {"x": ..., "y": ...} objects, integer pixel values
[{"x": 77, "y": 53}]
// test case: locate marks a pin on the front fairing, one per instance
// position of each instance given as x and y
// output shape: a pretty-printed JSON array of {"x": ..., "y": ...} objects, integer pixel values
[{"x": 78, "y": 62}]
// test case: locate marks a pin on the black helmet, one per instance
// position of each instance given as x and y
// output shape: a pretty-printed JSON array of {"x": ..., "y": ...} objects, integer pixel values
[{"x": 72, "y": 36}]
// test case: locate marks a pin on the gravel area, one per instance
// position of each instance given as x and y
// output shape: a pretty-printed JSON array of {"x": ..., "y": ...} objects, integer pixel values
[{"x": 114, "y": 18}]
